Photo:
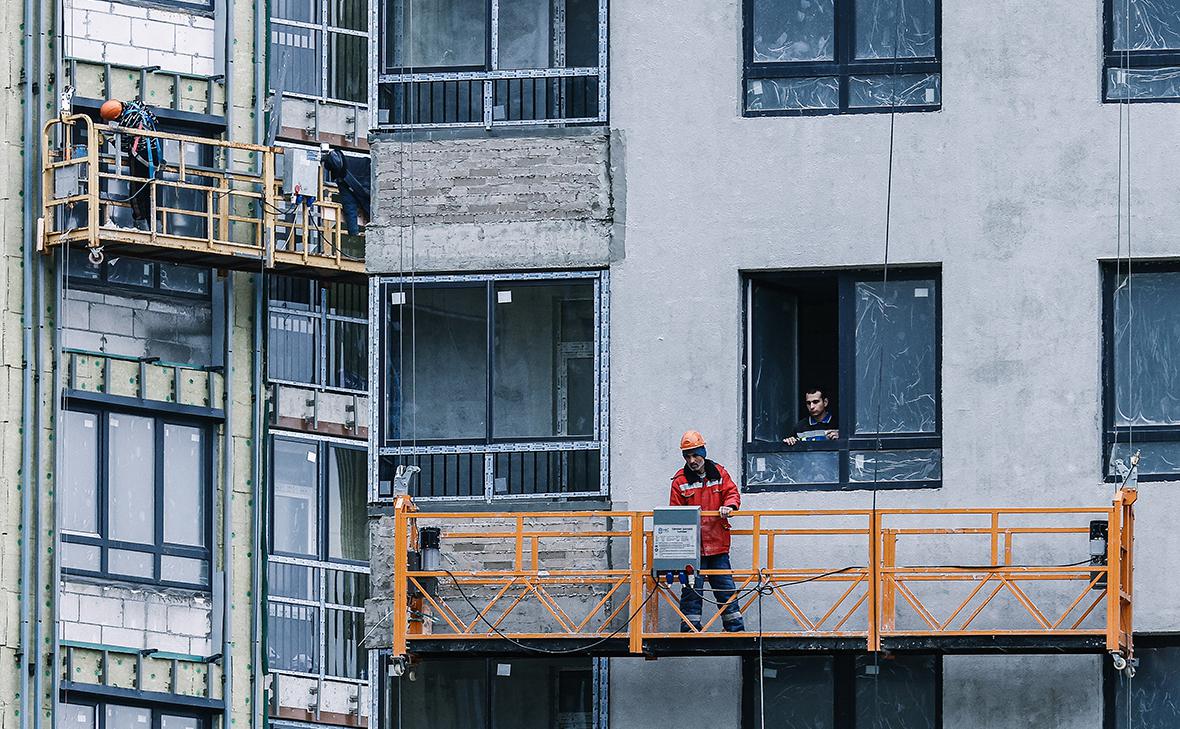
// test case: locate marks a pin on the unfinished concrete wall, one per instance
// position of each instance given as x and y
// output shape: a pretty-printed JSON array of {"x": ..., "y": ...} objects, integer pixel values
[
  {"x": 506, "y": 201},
  {"x": 173, "y": 329},
  {"x": 136, "y": 35}
]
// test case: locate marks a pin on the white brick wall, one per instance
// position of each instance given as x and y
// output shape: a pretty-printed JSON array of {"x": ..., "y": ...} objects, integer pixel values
[
  {"x": 120, "y": 33},
  {"x": 126, "y": 617}
]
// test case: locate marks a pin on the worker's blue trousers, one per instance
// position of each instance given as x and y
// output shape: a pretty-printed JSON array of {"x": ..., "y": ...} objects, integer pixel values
[{"x": 723, "y": 589}]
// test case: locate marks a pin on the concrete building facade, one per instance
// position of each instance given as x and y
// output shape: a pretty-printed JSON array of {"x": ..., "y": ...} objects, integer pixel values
[{"x": 737, "y": 219}]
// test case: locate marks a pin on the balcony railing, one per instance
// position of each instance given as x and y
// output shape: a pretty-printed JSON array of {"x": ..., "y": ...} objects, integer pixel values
[
  {"x": 206, "y": 204},
  {"x": 968, "y": 580}
]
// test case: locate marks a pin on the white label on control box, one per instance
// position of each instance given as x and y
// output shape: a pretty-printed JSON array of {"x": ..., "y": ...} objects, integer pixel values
[{"x": 675, "y": 541}]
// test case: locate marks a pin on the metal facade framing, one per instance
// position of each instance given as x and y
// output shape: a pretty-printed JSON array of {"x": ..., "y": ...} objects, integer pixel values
[
  {"x": 325, "y": 30},
  {"x": 491, "y": 72},
  {"x": 378, "y": 447}
]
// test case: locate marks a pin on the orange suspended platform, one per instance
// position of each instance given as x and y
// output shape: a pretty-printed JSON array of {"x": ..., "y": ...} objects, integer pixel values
[{"x": 941, "y": 580}]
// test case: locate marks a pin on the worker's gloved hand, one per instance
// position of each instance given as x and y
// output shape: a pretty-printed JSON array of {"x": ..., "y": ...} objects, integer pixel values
[{"x": 725, "y": 511}]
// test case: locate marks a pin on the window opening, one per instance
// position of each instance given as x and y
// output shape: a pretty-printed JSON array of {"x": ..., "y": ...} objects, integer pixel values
[
  {"x": 136, "y": 502},
  {"x": 842, "y": 56},
  {"x": 503, "y": 62},
  {"x": 516, "y": 358},
  {"x": 1142, "y": 411},
  {"x": 84, "y": 714},
  {"x": 818, "y": 338},
  {"x": 318, "y": 333},
  {"x": 1142, "y": 51},
  {"x": 318, "y": 577},
  {"x": 320, "y": 50}
]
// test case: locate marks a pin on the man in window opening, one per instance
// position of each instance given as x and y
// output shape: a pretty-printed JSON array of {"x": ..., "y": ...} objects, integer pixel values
[
  {"x": 820, "y": 423},
  {"x": 707, "y": 484},
  {"x": 352, "y": 183}
]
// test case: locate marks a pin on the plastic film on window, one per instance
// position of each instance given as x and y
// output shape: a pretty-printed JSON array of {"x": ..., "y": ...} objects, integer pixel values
[
  {"x": 894, "y": 29},
  {"x": 787, "y": 469},
  {"x": 793, "y": 30},
  {"x": 1147, "y": 349},
  {"x": 792, "y": 93},
  {"x": 1156, "y": 458},
  {"x": 1142, "y": 83},
  {"x": 916, "y": 89},
  {"x": 1143, "y": 25},
  {"x": 896, "y": 368},
  {"x": 908, "y": 465}
]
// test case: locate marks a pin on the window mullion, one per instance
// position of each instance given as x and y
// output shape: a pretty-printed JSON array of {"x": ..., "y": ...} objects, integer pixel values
[
  {"x": 493, "y": 37},
  {"x": 104, "y": 488}
]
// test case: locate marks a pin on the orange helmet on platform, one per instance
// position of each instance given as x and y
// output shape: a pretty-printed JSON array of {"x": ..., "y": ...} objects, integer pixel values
[
  {"x": 691, "y": 439},
  {"x": 111, "y": 109}
]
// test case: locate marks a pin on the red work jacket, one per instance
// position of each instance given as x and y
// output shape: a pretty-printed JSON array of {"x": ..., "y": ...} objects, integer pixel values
[{"x": 710, "y": 493}]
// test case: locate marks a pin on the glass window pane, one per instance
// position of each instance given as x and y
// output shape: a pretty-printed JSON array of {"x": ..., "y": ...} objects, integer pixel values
[
  {"x": 793, "y": 468},
  {"x": 438, "y": 353},
  {"x": 1156, "y": 457},
  {"x": 127, "y": 717},
  {"x": 343, "y": 653},
  {"x": 292, "y": 353},
  {"x": 532, "y": 390},
  {"x": 292, "y": 580},
  {"x": 179, "y": 722},
  {"x": 131, "y": 564},
  {"x": 581, "y": 33},
  {"x": 184, "y": 485},
  {"x": 910, "y": 465},
  {"x": 896, "y": 320},
  {"x": 904, "y": 683},
  {"x": 293, "y": 637},
  {"x": 80, "y": 556},
  {"x": 345, "y": 299},
  {"x": 783, "y": 94},
  {"x": 1147, "y": 349},
  {"x": 79, "y": 507},
  {"x": 793, "y": 30},
  {"x": 76, "y": 716},
  {"x": 1141, "y": 83},
  {"x": 350, "y": 14},
  {"x": 132, "y": 497},
  {"x": 296, "y": 512},
  {"x": 303, "y": 11},
  {"x": 79, "y": 265},
  {"x": 530, "y": 695},
  {"x": 1141, "y": 25},
  {"x": 799, "y": 691},
  {"x": 446, "y": 695},
  {"x": 344, "y": 587},
  {"x": 894, "y": 29},
  {"x": 185, "y": 279},
  {"x": 295, "y": 53},
  {"x": 1152, "y": 692},
  {"x": 525, "y": 36},
  {"x": 905, "y": 90},
  {"x": 290, "y": 292},
  {"x": 184, "y": 569},
  {"x": 438, "y": 33},
  {"x": 348, "y": 502},
  {"x": 348, "y": 56},
  {"x": 129, "y": 271},
  {"x": 348, "y": 366},
  {"x": 773, "y": 374}
]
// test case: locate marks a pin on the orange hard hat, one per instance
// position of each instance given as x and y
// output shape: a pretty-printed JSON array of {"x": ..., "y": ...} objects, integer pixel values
[
  {"x": 111, "y": 109},
  {"x": 691, "y": 439}
]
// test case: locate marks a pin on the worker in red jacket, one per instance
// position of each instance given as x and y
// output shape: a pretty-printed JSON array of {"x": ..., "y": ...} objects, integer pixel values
[{"x": 707, "y": 484}]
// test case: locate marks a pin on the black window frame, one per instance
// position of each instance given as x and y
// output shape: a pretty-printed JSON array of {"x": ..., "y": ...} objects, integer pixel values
[
  {"x": 843, "y": 66},
  {"x": 319, "y": 314},
  {"x": 204, "y": 720},
  {"x": 1129, "y": 60},
  {"x": 160, "y": 548},
  {"x": 1111, "y": 433},
  {"x": 844, "y": 687},
  {"x": 845, "y": 390},
  {"x": 323, "y": 29},
  {"x": 103, "y": 284}
]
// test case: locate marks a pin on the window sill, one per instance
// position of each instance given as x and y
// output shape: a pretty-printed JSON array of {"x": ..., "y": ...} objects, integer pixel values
[{"x": 122, "y": 582}]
